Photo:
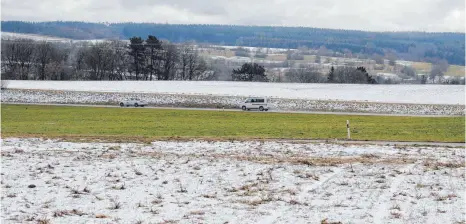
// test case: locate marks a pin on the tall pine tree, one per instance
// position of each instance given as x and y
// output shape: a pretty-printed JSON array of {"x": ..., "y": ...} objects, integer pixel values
[
  {"x": 136, "y": 51},
  {"x": 331, "y": 75},
  {"x": 153, "y": 50}
]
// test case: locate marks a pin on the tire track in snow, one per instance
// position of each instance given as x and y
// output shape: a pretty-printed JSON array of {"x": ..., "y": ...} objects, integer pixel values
[
  {"x": 315, "y": 186},
  {"x": 380, "y": 212}
]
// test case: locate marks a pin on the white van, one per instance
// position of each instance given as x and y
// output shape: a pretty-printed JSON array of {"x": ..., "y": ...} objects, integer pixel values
[{"x": 255, "y": 103}]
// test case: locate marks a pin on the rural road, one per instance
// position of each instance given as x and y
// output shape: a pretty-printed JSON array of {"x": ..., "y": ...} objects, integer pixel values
[{"x": 238, "y": 110}]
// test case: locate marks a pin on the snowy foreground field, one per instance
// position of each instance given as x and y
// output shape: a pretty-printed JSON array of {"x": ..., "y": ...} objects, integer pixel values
[
  {"x": 230, "y": 182},
  {"x": 416, "y": 94}
]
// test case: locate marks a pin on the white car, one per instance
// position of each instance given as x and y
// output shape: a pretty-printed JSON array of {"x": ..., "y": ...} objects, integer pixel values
[
  {"x": 133, "y": 102},
  {"x": 257, "y": 103}
]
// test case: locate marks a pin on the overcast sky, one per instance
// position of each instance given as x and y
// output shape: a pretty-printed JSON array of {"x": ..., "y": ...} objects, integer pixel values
[{"x": 374, "y": 15}]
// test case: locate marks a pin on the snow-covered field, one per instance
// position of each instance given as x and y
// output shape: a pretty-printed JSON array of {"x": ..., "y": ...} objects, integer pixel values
[
  {"x": 416, "y": 94},
  {"x": 229, "y": 182},
  {"x": 212, "y": 101},
  {"x": 35, "y": 37},
  {"x": 38, "y": 37}
]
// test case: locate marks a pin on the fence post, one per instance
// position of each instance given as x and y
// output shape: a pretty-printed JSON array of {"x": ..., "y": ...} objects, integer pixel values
[{"x": 348, "y": 129}]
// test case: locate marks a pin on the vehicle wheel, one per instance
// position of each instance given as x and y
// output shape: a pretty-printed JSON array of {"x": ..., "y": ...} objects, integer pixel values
[
  {"x": 243, "y": 108},
  {"x": 136, "y": 105},
  {"x": 122, "y": 104},
  {"x": 261, "y": 108}
]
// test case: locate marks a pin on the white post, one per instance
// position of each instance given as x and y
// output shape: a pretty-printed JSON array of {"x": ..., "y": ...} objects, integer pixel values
[
  {"x": 223, "y": 108},
  {"x": 348, "y": 129}
]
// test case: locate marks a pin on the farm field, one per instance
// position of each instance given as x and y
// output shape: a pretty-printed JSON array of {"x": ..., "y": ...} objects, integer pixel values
[
  {"x": 414, "y": 94},
  {"x": 51, "y": 181},
  {"x": 133, "y": 124}
]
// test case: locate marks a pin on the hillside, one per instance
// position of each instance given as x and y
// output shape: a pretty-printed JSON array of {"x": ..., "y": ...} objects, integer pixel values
[{"x": 414, "y": 46}]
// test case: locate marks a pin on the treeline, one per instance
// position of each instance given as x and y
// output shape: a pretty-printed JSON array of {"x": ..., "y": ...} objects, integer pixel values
[
  {"x": 414, "y": 46},
  {"x": 256, "y": 72},
  {"x": 149, "y": 59},
  {"x": 152, "y": 59}
]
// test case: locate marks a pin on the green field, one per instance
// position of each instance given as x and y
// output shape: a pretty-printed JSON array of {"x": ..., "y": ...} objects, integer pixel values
[{"x": 150, "y": 124}]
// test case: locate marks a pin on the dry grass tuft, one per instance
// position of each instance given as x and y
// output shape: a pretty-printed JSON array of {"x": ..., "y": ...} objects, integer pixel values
[
  {"x": 115, "y": 204},
  {"x": 122, "y": 187},
  {"x": 325, "y": 221},
  {"x": 12, "y": 195},
  {"x": 62, "y": 213},
  {"x": 438, "y": 165},
  {"x": 197, "y": 212},
  {"x": 396, "y": 215},
  {"x": 396, "y": 207},
  {"x": 44, "y": 221},
  {"x": 101, "y": 216}
]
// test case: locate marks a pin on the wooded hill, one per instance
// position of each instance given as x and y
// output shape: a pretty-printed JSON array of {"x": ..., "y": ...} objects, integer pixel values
[{"x": 413, "y": 46}]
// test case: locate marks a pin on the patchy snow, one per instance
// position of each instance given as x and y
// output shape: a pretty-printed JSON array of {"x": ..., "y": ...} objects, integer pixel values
[
  {"x": 418, "y": 94},
  {"x": 36, "y": 37},
  {"x": 229, "y": 182},
  {"x": 255, "y": 49},
  {"x": 211, "y": 101}
]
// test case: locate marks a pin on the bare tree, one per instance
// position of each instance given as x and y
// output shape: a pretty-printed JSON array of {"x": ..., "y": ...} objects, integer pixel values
[
  {"x": 292, "y": 55},
  {"x": 17, "y": 58},
  {"x": 44, "y": 56},
  {"x": 9, "y": 59},
  {"x": 317, "y": 59},
  {"x": 220, "y": 69},
  {"x": 185, "y": 53},
  {"x": 77, "y": 57},
  {"x": 170, "y": 59},
  {"x": 409, "y": 71},
  {"x": 119, "y": 60},
  {"x": 192, "y": 66},
  {"x": 438, "y": 70},
  {"x": 56, "y": 69},
  {"x": 25, "y": 57},
  {"x": 98, "y": 59},
  {"x": 378, "y": 59}
]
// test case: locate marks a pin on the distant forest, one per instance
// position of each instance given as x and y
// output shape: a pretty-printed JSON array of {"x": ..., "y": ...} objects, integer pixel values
[{"x": 414, "y": 46}]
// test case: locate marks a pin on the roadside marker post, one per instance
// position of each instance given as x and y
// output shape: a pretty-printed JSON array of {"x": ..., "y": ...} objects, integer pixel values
[{"x": 348, "y": 129}]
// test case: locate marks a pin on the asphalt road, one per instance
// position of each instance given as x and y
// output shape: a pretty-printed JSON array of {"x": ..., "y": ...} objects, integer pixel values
[{"x": 237, "y": 110}]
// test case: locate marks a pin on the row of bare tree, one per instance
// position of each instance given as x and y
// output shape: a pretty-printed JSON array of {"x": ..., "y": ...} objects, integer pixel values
[{"x": 149, "y": 59}]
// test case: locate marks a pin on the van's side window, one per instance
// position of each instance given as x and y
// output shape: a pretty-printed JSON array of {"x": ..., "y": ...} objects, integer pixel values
[
  {"x": 253, "y": 100},
  {"x": 260, "y": 100}
]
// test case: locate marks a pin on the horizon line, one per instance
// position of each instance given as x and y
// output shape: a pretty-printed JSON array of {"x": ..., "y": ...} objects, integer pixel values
[{"x": 238, "y": 25}]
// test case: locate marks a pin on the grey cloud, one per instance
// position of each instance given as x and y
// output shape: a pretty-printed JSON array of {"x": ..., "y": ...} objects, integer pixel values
[{"x": 376, "y": 15}]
